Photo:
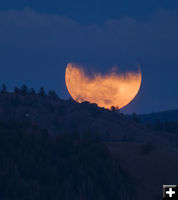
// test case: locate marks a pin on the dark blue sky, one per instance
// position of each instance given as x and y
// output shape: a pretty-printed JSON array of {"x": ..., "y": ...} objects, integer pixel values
[
  {"x": 39, "y": 38},
  {"x": 93, "y": 11}
]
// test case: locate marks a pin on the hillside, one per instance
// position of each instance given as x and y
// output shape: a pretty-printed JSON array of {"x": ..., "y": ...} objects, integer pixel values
[
  {"x": 169, "y": 116},
  {"x": 43, "y": 166},
  {"x": 66, "y": 116},
  {"x": 143, "y": 154}
]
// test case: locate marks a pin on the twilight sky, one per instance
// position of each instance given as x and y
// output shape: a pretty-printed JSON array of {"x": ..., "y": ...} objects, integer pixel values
[{"x": 39, "y": 38}]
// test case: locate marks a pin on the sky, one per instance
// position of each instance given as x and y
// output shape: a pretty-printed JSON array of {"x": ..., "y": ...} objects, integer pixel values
[{"x": 39, "y": 38}]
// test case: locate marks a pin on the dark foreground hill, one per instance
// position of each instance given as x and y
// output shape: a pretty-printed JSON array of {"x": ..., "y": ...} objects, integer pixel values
[
  {"x": 43, "y": 166},
  {"x": 66, "y": 116},
  {"x": 48, "y": 143}
]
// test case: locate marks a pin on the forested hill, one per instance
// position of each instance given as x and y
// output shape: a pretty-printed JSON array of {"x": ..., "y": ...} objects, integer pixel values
[
  {"x": 57, "y": 116},
  {"x": 41, "y": 166},
  {"x": 59, "y": 149},
  {"x": 160, "y": 121},
  {"x": 165, "y": 116}
]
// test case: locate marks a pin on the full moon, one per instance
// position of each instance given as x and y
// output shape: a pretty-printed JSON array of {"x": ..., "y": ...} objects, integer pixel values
[{"x": 107, "y": 90}]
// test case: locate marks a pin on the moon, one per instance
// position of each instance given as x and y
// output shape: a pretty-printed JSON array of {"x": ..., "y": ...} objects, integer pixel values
[{"x": 107, "y": 90}]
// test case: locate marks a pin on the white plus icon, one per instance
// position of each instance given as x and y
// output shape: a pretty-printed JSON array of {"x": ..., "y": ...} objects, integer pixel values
[{"x": 170, "y": 192}]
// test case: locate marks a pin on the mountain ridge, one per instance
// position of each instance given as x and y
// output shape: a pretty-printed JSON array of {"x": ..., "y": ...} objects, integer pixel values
[
  {"x": 163, "y": 116},
  {"x": 61, "y": 116}
]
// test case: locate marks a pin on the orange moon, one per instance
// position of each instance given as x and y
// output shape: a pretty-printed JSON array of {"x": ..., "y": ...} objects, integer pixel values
[{"x": 108, "y": 90}]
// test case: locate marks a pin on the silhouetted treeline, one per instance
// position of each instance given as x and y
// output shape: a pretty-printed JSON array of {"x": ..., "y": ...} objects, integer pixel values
[
  {"x": 171, "y": 126},
  {"x": 35, "y": 165},
  {"x": 59, "y": 116},
  {"x": 168, "y": 126},
  {"x": 24, "y": 90}
]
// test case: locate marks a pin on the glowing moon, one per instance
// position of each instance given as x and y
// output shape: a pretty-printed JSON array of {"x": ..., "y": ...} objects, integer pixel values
[{"x": 106, "y": 91}]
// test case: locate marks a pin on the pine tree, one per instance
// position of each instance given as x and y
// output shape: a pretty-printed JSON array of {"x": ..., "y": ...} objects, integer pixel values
[
  {"x": 135, "y": 117},
  {"x": 32, "y": 91},
  {"x": 16, "y": 90},
  {"x": 4, "y": 88},
  {"x": 24, "y": 90},
  {"x": 42, "y": 92}
]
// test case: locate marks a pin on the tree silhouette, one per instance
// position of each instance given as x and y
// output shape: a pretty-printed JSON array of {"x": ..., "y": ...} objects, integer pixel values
[
  {"x": 53, "y": 95},
  {"x": 4, "y": 88},
  {"x": 42, "y": 92},
  {"x": 32, "y": 91},
  {"x": 114, "y": 109},
  {"x": 158, "y": 125},
  {"x": 24, "y": 90},
  {"x": 146, "y": 148},
  {"x": 135, "y": 117},
  {"x": 16, "y": 90}
]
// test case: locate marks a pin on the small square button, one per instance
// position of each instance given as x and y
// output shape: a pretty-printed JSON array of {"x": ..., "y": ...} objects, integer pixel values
[{"x": 170, "y": 192}]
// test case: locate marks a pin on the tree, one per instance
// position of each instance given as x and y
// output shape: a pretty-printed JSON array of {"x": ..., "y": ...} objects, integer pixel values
[
  {"x": 42, "y": 92},
  {"x": 24, "y": 90},
  {"x": 158, "y": 125},
  {"x": 106, "y": 136},
  {"x": 32, "y": 91},
  {"x": 52, "y": 95},
  {"x": 114, "y": 109},
  {"x": 135, "y": 118},
  {"x": 16, "y": 90},
  {"x": 4, "y": 88},
  {"x": 146, "y": 148},
  {"x": 75, "y": 134},
  {"x": 96, "y": 137},
  {"x": 15, "y": 101},
  {"x": 87, "y": 135}
]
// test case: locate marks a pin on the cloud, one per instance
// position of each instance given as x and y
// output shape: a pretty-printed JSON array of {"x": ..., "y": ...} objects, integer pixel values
[
  {"x": 125, "y": 36},
  {"x": 32, "y": 41}
]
